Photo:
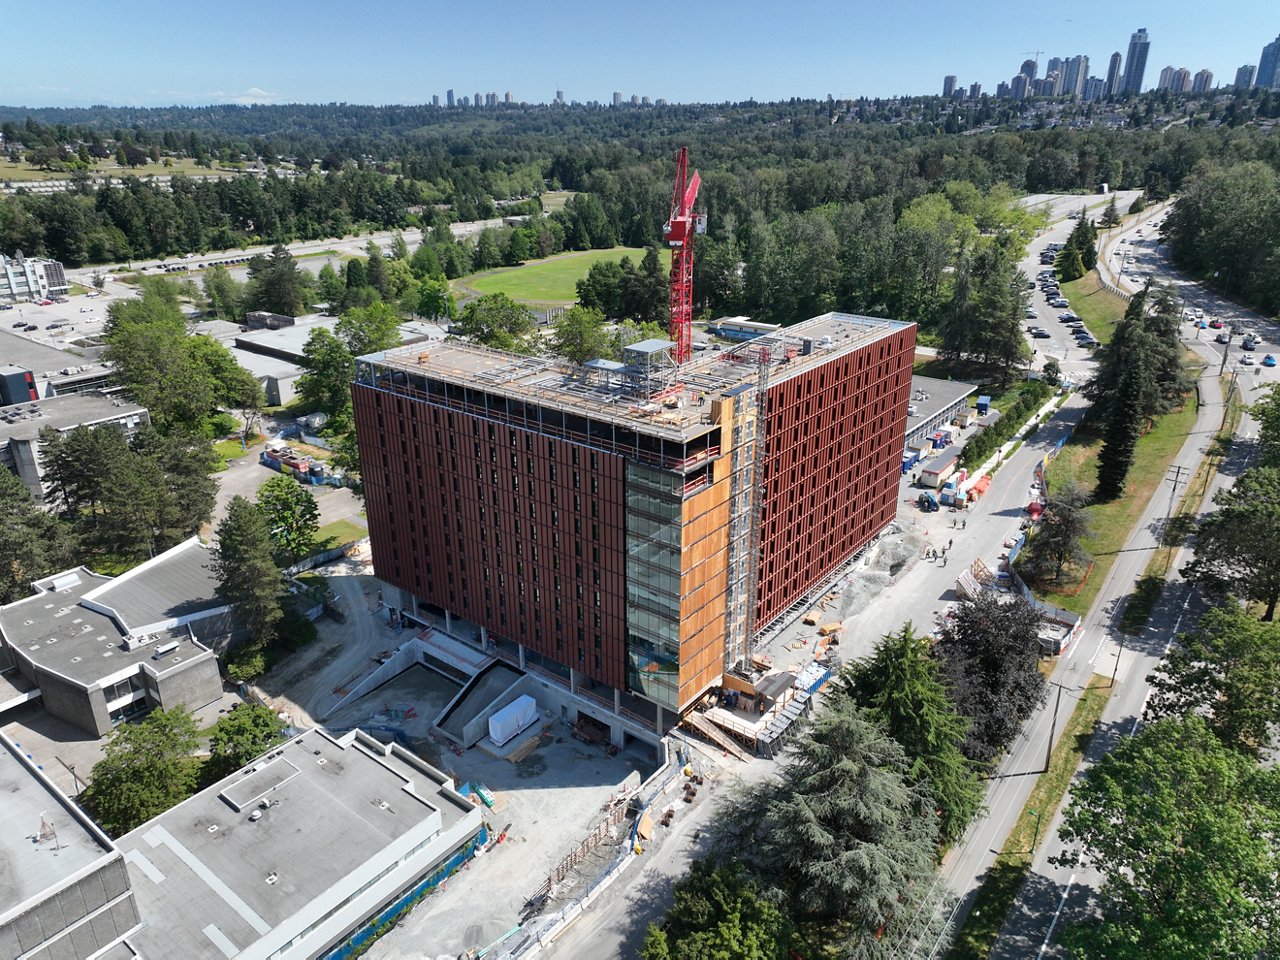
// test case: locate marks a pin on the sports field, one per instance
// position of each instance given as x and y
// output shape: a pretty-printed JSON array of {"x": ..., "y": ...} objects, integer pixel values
[{"x": 550, "y": 281}]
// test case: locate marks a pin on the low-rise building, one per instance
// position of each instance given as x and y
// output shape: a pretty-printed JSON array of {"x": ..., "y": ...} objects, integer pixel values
[
  {"x": 934, "y": 404},
  {"x": 103, "y": 649},
  {"x": 31, "y": 371},
  {"x": 21, "y": 426},
  {"x": 27, "y": 278},
  {"x": 64, "y": 887},
  {"x": 307, "y": 849}
]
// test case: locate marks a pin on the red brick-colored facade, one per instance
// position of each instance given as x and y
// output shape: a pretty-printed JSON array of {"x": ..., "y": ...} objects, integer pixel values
[
  {"x": 835, "y": 435},
  {"x": 521, "y": 533}
]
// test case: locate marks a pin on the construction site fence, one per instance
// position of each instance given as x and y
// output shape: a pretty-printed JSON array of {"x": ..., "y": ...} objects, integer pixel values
[
  {"x": 326, "y": 556},
  {"x": 529, "y": 939}
]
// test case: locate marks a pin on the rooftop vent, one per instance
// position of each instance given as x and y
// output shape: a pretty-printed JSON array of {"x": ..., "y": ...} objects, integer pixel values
[
  {"x": 255, "y": 816},
  {"x": 271, "y": 878}
]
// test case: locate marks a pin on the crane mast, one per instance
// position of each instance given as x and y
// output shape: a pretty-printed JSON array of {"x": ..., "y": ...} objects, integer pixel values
[{"x": 679, "y": 231}]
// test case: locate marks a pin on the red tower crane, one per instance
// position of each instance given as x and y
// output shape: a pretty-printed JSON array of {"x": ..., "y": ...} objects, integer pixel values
[{"x": 679, "y": 231}]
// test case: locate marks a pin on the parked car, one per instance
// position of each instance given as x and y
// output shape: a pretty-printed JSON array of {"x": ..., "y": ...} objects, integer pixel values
[
  {"x": 6, "y": 306},
  {"x": 1060, "y": 302},
  {"x": 44, "y": 303},
  {"x": 1248, "y": 360},
  {"x": 1223, "y": 337},
  {"x": 1215, "y": 323},
  {"x": 1268, "y": 361},
  {"x": 1249, "y": 342},
  {"x": 1040, "y": 334},
  {"x": 30, "y": 327},
  {"x": 1030, "y": 314}
]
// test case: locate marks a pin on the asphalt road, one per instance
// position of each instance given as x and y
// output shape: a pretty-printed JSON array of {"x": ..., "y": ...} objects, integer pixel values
[{"x": 1054, "y": 896}]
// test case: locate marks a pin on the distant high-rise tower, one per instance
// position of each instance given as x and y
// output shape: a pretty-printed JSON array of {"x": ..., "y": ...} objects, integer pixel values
[
  {"x": 478, "y": 101},
  {"x": 1074, "y": 76},
  {"x": 559, "y": 96},
  {"x": 1136, "y": 63},
  {"x": 1166, "y": 79},
  {"x": 948, "y": 84},
  {"x": 1003, "y": 89},
  {"x": 1202, "y": 81},
  {"x": 1029, "y": 69},
  {"x": 1020, "y": 86},
  {"x": 1054, "y": 65},
  {"x": 1244, "y": 77},
  {"x": 1268, "y": 75},
  {"x": 1114, "y": 76},
  {"x": 1094, "y": 88},
  {"x": 975, "y": 91},
  {"x": 617, "y": 98},
  {"x": 448, "y": 97},
  {"x": 1181, "y": 80},
  {"x": 506, "y": 97}
]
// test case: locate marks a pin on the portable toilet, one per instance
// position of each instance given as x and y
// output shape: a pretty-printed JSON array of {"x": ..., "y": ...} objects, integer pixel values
[{"x": 984, "y": 405}]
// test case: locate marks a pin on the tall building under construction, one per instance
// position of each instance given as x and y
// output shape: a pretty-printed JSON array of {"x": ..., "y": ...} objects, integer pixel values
[{"x": 629, "y": 527}]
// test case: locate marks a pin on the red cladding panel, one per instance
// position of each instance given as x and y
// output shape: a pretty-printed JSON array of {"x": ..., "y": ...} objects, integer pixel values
[{"x": 835, "y": 435}]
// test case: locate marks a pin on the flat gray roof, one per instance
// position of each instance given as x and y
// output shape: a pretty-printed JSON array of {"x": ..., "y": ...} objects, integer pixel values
[
  {"x": 931, "y": 397},
  {"x": 30, "y": 866},
  {"x": 217, "y": 329},
  {"x": 77, "y": 622},
  {"x": 41, "y": 359},
  {"x": 203, "y": 871},
  {"x": 178, "y": 584},
  {"x": 288, "y": 340},
  {"x": 678, "y": 404},
  {"x": 24, "y": 421},
  {"x": 261, "y": 365}
]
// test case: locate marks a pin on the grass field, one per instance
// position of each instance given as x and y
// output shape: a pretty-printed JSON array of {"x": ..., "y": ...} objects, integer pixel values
[
  {"x": 1112, "y": 522},
  {"x": 1100, "y": 309},
  {"x": 338, "y": 534},
  {"x": 1004, "y": 878},
  {"x": 550, "y": 281},
  {"x": 554, "y": 200},
  {"x": 107, "y": 168}
]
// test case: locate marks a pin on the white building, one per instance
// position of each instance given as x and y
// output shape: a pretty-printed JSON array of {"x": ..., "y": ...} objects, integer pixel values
[{"x": 28, "y": 279}]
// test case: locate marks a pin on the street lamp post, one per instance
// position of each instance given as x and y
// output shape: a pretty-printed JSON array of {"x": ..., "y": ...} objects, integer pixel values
[{"x": 1035, "y": 836}]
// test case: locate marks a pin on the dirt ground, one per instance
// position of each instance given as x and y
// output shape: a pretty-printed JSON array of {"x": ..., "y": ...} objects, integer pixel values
[{"x": 310, "y": 682}]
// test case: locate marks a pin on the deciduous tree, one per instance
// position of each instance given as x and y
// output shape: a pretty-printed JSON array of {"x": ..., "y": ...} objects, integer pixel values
[
  {"x": 580, "y": 335},
  {"x": 989, "y": 653},
  {"x": 1227, "y": 671},
  {"x": 497, "y": 321},
  {"x": 1184, "y": 831},
  {"x": 248, "y": 731},
  {"x": 292, "y": 517},
  {"x": 330, "y": 368},
  {"x": 718, "y": 913},
  {"x": 369, "y": 329},
  {"x": 1236, "y": 544},
  {"x": 147, "y": 768}
]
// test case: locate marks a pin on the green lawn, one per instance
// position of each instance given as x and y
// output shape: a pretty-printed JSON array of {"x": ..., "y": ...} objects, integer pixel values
[
  {"x": 108, "y": 168},
  {"x": 554, "y": 200},
  {"x": 1004, "y": 879},
  {"x": 1100, "y": 309},
  {"x": 338, "y": 534},
  {"x": 550, "y": 281},
  {"x": 1113, "y": 522}
]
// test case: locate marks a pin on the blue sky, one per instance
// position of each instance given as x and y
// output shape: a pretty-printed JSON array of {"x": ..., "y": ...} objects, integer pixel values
[{"x": 403, "y": 51}]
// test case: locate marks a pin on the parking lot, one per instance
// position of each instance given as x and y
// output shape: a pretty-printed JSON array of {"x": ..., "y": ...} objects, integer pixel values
[{"x": 58, "y": 324}]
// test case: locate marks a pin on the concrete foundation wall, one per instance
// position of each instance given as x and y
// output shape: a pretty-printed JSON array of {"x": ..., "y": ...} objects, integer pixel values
[{"x": 477, "y": 728}]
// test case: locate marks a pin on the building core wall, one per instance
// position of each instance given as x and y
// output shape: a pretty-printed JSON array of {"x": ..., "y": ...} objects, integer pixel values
[{"x": 834, "y": 454}]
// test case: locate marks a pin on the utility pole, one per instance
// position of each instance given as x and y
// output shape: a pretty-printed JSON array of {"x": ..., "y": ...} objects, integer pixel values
[
  {"x": 1053, "y": 726},
  {"x": 1231, "y": 392},
  {"x": 1226, "y": 349},
  {"x": 1176, "y": 481}
]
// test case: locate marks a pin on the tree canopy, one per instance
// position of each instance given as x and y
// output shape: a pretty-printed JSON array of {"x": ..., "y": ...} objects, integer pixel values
[
  {"x": 245, "y": 567},
  {"x": 901, "y": 686},
  {"x": 495, "y": 320},
  {"x": 1184, "y": 832},
  {"x": 248, "y": 731},
  {"x": 988, "y": 653},
  {"x": 147, "y": 768},
  {"x": 292, "y": 517},
  {"x": 1236, "y": 544},
  {"x": 718, "y": 914}
]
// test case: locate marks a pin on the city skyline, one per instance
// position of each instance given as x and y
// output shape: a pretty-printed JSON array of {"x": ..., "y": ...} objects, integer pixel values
[{"x": 742, "y": 52}]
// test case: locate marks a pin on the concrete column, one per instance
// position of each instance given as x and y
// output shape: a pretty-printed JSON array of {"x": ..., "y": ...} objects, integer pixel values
[
  {"x": 657, "y": 722},
  {"x": 448, "y": 621},
  {"x": 521, "y": 656},
  {"x": 573, "y": 680},
  {"x": 484, "y": 639},
  {"x": 617, "y": 701}
]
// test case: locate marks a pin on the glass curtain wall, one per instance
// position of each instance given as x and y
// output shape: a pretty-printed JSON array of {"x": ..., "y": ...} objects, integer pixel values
[{"x": 653, "y": 583}]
